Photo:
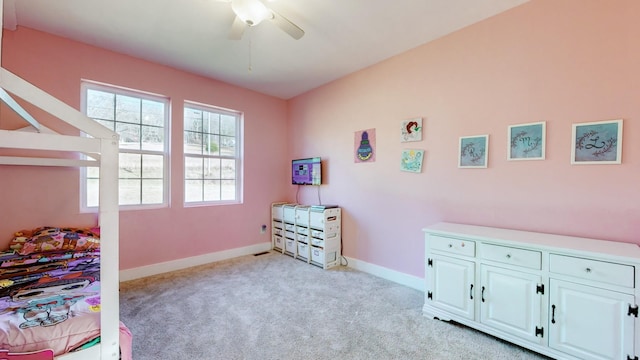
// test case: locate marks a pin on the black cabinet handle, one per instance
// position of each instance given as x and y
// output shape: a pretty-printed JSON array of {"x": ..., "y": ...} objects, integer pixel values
[
  {"x": 482, "y": 297},
  {"x": 553, "y": 314},
  {"x": 471, "y": 292}
]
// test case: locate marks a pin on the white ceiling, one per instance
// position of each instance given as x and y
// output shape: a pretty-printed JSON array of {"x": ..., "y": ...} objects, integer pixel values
[{"x": 341, "y": 36}]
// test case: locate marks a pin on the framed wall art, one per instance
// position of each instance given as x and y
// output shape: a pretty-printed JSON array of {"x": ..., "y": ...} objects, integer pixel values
[
  {"x": 365, "y": 146},
  {"x": 598, "y": 142},
  {"x": 411, "y": 160},
  {"x": 411, "y": 130},
  {"x": 527, "y": 141},
  {"x": 473, "y": 151}
]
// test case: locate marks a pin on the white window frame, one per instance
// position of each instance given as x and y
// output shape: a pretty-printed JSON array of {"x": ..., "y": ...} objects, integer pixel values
[
  {"x": 239, "y": 116},
  {"x": 91, "y": 85}
]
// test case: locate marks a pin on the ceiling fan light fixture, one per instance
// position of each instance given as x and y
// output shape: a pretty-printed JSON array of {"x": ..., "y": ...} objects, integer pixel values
[{"x": 251, "y": 12}]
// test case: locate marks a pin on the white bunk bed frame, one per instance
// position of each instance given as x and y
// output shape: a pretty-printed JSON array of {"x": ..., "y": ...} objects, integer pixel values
[{"x": 101, "y": 150}]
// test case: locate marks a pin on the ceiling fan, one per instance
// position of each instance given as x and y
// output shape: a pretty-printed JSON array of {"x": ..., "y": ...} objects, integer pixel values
[{"x": 252, "y": 13}]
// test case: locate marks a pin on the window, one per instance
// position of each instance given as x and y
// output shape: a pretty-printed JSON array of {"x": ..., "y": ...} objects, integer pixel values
[
  {"x": 141, "y": 121},
  {"x": 212, "y": 170}
]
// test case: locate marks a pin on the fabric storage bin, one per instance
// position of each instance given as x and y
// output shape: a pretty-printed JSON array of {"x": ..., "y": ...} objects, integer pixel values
[
  {"x": 290, "y": 246},
  {"x": 302, "y": 215},
  {"x": 303, "y": 251},
  {"x": 302, "y": 239},
  {"x": 278, "y": 242}
]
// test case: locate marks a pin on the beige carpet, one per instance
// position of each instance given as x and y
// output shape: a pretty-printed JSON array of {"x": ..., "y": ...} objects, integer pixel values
[{"x": 274, "y": 307}]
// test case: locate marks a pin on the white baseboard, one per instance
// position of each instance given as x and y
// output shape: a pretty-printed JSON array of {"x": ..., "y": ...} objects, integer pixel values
[
  {"x": 159, "y": 268},
  {"x": 388, "y": 274}
]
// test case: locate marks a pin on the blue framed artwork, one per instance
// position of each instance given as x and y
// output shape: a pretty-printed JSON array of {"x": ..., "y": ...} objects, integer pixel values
[
  {"x": 527, "y": 141},
  {"x": 597, "y": 142},
  {"x": 473, "y": 151},
  {"x": 411, "y": 160}
]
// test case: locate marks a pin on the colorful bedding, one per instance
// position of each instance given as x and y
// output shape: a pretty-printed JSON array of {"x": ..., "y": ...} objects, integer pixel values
[{"x": 50, "y": 290}]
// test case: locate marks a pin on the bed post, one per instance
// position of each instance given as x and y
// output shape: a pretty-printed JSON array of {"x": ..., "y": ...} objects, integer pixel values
[{"x": 109, "y": 250}]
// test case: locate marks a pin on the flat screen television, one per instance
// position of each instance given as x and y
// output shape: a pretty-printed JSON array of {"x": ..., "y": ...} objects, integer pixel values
[{"x": 306, "y": 171}]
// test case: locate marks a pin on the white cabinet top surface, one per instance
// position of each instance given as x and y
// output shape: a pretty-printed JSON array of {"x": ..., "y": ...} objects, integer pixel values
[{"x": 525, "y": 238}]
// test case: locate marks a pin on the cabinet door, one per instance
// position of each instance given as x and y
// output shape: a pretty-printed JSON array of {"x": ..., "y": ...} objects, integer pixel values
[
  {"x": 451, "y": 285},
  {"x": 509, "y": 302},
  {"x": 589, "y": 322}
]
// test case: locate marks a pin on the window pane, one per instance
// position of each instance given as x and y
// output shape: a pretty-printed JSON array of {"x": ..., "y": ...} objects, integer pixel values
[
  {"x": 228, "y": 169},
  {"x": 152, "y": 166},
  {"x": 211, "y": 190},
  {"x": 152, "y": 113},
  {"x": 129, "y": 192},
  {"x": 192, "y": 142},
  {"x": 211, "y": 168},
  {"x": 227, "y": 146},
  {"x": 228, "y": 125},
  {"x": 152, "y": 191},
  {"x": 193, "y": 190},
  {"x": 192, "y": 120},
  {"x": 100, "y": 105},
  {"x": 212, "y": 144},
  {"x": 228, "y": 190},
  {"x": 93, "y": 172},
  {"x": 128, "y": 109},
  {"x": 193, "y": 168},
  {"x": 130, "y": 166},
  {"x": 152, "y": 138},
  {"x": 211, "y": 123},
  {"x": 129, "y": 136},
  {"x": 93, "y": 191}
]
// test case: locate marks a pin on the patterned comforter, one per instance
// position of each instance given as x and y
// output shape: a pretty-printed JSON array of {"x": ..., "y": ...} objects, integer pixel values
[{"x": 49, "y": 300}]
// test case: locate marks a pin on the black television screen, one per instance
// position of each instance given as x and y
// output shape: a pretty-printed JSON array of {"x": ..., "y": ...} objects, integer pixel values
[{"x": 306, "y": 171}]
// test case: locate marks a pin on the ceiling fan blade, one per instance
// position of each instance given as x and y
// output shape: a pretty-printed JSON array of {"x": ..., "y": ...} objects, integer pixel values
[
  {"x": 237, "y": 29},
  {"x": 287, "y": 26}
]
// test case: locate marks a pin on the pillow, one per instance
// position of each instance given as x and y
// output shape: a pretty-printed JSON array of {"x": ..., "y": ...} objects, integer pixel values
[{"x": 44, "y": 239}]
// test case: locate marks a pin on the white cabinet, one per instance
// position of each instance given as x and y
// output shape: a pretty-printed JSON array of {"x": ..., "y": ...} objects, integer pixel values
[
  {"x": 589, "y": 322},
  {"x": 308, "y": 233},
  {"x": 451, "y": 278},
  {"x": 593, "y": 307},
  {"x": 452, "y": 282},
  {"x": 565, "y": 297},
  {"x": 511, "y": 302}
]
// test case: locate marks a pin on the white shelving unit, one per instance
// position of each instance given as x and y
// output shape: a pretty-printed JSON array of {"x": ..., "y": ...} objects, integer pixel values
[
  {"x": 308, "y": 233},
  {"x": 565, "y": 297}
]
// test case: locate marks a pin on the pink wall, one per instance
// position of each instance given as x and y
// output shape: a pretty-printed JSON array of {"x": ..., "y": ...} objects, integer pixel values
[
  {"x": 562, "y": 62},
  {"x": 34, "y": 197}
]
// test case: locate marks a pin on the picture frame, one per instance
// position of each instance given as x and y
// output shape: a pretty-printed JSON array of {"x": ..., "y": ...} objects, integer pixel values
[
  {"x": 597, "y": 142},
  {"x": 411, "y": 130},
  {"x": 411, "y": 160},
  {"x": 364, "y": 146},
  {"x": 527, "y": 141},
  {"x": 473, "y": 151}
]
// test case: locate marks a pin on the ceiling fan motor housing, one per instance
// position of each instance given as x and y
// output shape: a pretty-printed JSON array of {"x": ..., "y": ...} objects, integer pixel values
[{"x": 251, "y": 12}]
